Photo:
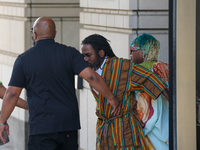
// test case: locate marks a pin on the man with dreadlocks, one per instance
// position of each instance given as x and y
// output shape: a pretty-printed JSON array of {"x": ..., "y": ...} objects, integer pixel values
[
  {"x": 123, "y": 77},
  {"x": 144, "y": 50}
]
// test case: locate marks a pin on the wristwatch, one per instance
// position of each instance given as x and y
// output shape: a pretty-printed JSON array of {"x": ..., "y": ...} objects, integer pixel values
[{"x": 2, "y": 124}]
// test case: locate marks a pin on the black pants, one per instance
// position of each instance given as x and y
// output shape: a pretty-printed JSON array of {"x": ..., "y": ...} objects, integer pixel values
[{"x": 67, "y": 140}]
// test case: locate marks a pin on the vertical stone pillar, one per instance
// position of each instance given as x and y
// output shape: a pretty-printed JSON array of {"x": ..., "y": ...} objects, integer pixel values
[
  {"x": 186, "y": 75},
  {"x": 120, "y": 21},
  {"x": 16, "y": 19}
]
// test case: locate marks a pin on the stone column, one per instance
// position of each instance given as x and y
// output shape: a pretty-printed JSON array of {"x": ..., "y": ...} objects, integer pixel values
[
  {"x": 120, "y": 21},
  {"x": 16, "y": 19}
]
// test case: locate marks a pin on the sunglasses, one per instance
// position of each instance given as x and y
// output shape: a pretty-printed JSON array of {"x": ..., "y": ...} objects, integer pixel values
[{"x": 132, "y": 48}]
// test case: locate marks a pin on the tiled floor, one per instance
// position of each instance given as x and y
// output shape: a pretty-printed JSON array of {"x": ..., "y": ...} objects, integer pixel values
[{"x": 6, "y": 147}]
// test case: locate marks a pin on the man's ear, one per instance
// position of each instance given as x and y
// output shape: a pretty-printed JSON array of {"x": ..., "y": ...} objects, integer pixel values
[
  {"x": 101, "y": 53},
  {"x": 34, "y": 36}
]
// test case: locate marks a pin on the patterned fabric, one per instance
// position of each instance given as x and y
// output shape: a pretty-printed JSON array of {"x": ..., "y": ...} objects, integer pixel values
[
  {"x": 155, "y": 114},
  {"x": 124, "y": 132}
]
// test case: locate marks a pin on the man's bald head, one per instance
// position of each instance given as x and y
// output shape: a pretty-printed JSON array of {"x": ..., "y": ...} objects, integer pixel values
[{"x": 44, "y": 28}]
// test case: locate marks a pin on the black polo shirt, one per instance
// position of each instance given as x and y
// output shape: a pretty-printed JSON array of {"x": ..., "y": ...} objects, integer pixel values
[{"x": 47, "y": 72}]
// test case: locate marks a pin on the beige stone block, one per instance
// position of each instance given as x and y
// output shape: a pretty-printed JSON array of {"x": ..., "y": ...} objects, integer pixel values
[
  {"x": 28, "y": 35},
  {"x": 17, "y": 36},
  {"x": 92, "y": 119},
  {"x": 15, "y": 1},
  {"x": 110, "y": 20},
  {"x": 53, "y": 1},
  {"x": 88, "y": 18},
  {"x": 119, "y": 43},
  {"x": 13, "y": 61},
  {"x": 95, "y": 19},
  {"x": 83, "y": 3},
  {"x": 56, "y": 11},
  {"x": 70, "y": 33},
  {"x": 164, "y": 47},
  {"x": 21, "y": 114},
  {"x": 133, "y": 4},
  {"x": 5, "y": 33},
  {"x": 1, "y": 61},
  {"x": 114, "y": 12},
  {"x": 102, "y": 20},
  {"x": 9, "y": 10},
  {"x": 9, "y": 60},
  {"x": 1, "y": 9},
  {"x": 113, "y": 4},
  {"x": 91, "y": 10},
  {"x": 153, "y": 21},
  {"x": 59, "y": 33},
  {"x": 96, "y": 28},
  {"x": 5, "y": 59},
  {"x": 6, "y": 73},
  {"x": 107, "y": 11},
  {"x": 98, "y": 10},
  {"x": 85, "y": 83},
  {"x": 122, "y": 12},
  {"x": 119, "y": 21},
  {"x": 82, "y": 17},
  {"x": 153, "y": 5},
  {"x": 15, "y": 113},
  {"x": 83, "y": 109},
  {"x": 130, "y": 22},
  {"x": 20, "y": 11},
  {"x": 131, "y": 38},
  {"x": 128, "y": 4},
  {"x": 27, "y": 12}
]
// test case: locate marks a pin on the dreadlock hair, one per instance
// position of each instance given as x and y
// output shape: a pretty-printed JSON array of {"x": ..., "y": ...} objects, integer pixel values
[{"x": 98, "y": 43}]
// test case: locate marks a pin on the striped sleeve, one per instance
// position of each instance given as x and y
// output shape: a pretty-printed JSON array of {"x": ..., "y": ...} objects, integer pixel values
[{"x": 146, "y": 81}]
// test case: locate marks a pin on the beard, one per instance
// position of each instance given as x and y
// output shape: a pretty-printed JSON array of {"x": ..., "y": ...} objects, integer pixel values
[
  {"x": 91, "y": 66},
  {"x": 33, "y": 41}
]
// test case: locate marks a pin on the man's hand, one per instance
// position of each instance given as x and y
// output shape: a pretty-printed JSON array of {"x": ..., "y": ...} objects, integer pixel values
[
  {"x": 116, "y": 106},
  {"x": 2, "y": 128}
]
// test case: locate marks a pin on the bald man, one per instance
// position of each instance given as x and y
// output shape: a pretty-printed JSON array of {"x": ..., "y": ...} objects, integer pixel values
[{"x": 47, "y": 72}]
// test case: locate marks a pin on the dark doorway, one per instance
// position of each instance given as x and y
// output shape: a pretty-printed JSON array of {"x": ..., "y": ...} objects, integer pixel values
[{"x": 172, "y": 76}]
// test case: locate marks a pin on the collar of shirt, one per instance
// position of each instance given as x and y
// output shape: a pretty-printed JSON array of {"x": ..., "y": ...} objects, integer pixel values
[
  {"x": 99, "y": 71},
  {"x": 44, "y": 41}
]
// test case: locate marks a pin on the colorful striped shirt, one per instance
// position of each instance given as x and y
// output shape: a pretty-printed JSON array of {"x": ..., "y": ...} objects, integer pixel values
[{"x": 124, "y": 131}]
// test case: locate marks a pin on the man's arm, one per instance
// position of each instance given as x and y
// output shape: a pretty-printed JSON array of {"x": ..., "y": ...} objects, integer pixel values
[
  {"x": 20, "y": 103},
  {"x": 2, "y": 91},
  {"x": 99, "y": 84},
  {"x": 9, "y": 102}
]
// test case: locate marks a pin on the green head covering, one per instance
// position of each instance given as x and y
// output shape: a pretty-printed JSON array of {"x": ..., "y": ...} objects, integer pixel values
[{"x": 149, "y": 45}]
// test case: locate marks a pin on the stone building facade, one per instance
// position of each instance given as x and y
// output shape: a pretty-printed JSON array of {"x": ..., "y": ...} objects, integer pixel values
[{"x": 120, "y": 21}]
